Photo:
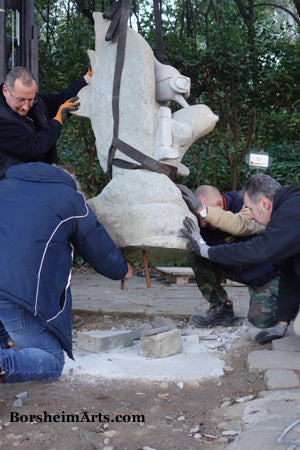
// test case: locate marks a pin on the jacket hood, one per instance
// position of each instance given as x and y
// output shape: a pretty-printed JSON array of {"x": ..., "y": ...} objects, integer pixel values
[{"x": 40, "y": 173}]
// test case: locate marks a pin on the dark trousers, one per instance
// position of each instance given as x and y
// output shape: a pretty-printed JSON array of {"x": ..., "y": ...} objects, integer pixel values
[{"x": 289, "y": 289}]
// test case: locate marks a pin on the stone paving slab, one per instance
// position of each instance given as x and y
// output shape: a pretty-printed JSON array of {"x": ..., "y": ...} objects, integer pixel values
[
  {"x": 288, "y": 343},
  {"x": 281, "y": 379},
  {"x": 264, "y": 420},
  {"x": 261, "y": 360}
]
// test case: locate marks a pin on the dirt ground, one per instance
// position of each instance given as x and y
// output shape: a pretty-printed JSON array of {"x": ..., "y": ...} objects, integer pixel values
[{"x": 175, "y": 417}]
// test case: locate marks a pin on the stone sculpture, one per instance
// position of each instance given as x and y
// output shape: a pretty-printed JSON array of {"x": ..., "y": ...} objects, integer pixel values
[{"x": 141, "y": 208}]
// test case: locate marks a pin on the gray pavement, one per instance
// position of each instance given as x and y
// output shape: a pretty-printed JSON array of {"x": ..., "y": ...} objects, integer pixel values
[
  {"x": 95, "y": 293},
  {"x": 263, "y": 419}
]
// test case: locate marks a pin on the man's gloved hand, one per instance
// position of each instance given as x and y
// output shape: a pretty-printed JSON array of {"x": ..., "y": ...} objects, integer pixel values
[
  {"x": 188, "y": 196},
  {"x": 64, "y": 110},
  {"x": 269, "y": 334},
  {"x": 193, "y": 234}
]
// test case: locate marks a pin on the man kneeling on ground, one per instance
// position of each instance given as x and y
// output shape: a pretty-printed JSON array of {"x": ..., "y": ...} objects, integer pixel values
[{"x": 42, "y": 214}]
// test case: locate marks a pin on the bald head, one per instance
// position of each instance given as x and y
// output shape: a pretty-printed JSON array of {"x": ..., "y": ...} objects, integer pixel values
[{"x": 209, "y": 195}]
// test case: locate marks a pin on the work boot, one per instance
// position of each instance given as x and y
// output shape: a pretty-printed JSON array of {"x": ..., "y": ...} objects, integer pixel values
[{"x": 219, "y": 315}]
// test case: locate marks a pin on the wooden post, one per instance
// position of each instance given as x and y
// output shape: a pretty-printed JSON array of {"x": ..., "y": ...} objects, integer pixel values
[{"x": 146, "y": 268}]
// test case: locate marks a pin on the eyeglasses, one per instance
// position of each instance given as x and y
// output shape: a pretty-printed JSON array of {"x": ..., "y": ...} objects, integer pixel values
[{"x": 22, "y": 101}]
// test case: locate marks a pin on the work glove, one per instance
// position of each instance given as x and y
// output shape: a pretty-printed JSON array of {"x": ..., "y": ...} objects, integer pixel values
[
  {"x": 63, "y": 112},
  {"x": 269, "y": 334},
  {"x": 193, "y": 204},
  {"x": 193, "y": 234}
]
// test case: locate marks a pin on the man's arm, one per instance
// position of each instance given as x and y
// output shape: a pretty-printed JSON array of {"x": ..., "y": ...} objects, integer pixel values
[
  {"x": 97, "y": 248},
  {"x": 237, "y": 224}
]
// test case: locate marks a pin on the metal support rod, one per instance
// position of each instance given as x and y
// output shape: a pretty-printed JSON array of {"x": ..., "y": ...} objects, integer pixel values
[{"x": 146, "y": 268}]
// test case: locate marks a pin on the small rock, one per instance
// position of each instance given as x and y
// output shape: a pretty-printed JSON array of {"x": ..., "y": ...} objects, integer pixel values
[
  {"x": 148, "y": 448},
  {"x": 106, "y": 441},
  {"x": 110, "y": 433},
  {"x": 180, "y": 384},
  {"x": 197, "y": 436},
  {"x": 168, "y": 418},
  {"x": 251, "y": 390},
  {"x": 180, "y": 418},
  {"x": 17, "y": 403},
  {"x": 230, "y": 433},
  {"x": 226, "y": 403},
  {"x": 7, "y": 424},
  {"x": 105, "y": 426},
  {"x": 22, "y": 394},
  {"x": 195, "y": 429},
  {"x": 247, "y": 398},
  {"x": 210, "y": 436}
]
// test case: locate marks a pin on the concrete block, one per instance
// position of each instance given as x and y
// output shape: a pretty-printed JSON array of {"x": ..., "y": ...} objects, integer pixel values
[
  {"x": 99, "y": 341},
  {"x": 140, "y": 330},
  {"x": 259, "y": 361},
  {"x": 281, "y": 379},
  {"x": 287, "y": 343},
  {"x": 164, "y": 322},
  {"x": 162, "y": 344}
]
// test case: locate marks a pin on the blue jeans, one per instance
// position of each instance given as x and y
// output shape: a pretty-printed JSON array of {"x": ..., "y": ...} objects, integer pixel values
[{"x": 39, "y": 356}]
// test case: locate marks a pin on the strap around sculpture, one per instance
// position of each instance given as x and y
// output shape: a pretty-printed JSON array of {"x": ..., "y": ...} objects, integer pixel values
[{"x": 118, "y": 13}]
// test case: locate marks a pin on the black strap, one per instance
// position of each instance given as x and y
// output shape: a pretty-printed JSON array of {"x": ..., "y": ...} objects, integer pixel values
[
  {"x": 118, "y": 13},
  {"x": 146, "y": 161}
]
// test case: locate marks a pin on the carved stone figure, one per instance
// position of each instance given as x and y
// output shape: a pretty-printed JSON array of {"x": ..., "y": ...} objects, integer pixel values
[{"x": 141, "y": 208}]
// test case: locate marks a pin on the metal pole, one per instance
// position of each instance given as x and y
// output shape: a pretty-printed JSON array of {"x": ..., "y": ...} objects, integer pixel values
[{"x": 3, "y": 66}]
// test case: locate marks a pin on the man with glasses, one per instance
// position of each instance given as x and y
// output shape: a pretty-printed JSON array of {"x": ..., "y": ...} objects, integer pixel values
[{"x": 31, "y": 123}]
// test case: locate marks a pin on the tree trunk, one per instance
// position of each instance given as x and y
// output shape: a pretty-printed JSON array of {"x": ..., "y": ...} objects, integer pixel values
[{"x": 158, "y": 31}]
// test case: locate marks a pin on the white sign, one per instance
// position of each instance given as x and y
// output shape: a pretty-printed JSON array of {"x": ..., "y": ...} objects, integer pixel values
[{"x": 257, "y": 160}]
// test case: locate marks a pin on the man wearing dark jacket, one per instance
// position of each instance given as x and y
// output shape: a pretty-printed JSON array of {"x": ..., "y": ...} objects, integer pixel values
[
  {"x": 223, "y": 219},
  {"x": 41, "y": 215},
  {"x": 278, "y": 208},
  {"x": 31, "y": 123}
]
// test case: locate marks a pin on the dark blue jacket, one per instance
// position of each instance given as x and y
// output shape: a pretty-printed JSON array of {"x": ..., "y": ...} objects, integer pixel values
[
  {"x": 41, "y": 214},
  {"x": 252, "y": 275},
  {"x": 32, "y": 137}
]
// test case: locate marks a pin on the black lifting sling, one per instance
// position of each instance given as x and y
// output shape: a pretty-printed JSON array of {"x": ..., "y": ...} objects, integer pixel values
[{"x": 118, "y": 13}]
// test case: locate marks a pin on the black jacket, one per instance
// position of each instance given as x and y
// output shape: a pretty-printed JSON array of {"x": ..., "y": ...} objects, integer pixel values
[
  {"x": 32, "y": 137},
  {"x": 280, "y": 240},
  {"x": 252, "y": 275}
]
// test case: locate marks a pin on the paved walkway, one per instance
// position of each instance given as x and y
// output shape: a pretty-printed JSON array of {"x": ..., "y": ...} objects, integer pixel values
[{"x": 94, "y": 293}]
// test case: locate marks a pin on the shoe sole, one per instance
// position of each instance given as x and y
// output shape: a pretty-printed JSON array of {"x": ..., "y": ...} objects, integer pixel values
[{"x": 224, "y": 322}]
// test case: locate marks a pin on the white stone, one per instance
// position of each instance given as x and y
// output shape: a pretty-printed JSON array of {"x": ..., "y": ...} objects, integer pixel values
[
  {"x": 97, "y": 341},
  {"x": 140, "y": 208},
  {"x": 162, "y": 344}
]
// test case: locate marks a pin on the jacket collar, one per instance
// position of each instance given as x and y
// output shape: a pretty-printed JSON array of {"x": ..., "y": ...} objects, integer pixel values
[{"x": 41, "y": 173}]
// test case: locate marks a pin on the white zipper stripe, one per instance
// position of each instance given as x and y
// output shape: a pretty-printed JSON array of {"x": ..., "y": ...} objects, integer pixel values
[{"x": 46, "y": 248}]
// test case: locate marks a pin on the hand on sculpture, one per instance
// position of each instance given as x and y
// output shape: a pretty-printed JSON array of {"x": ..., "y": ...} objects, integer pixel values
[
  {"x": 64, "y": 110},
  {"x": 188, "y": 196},
  {"x": 193, "y": 234},
  {"x": 270, "y": 334}
]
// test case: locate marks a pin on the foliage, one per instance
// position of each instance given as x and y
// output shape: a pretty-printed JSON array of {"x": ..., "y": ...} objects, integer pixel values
[{"x": 243, "y": 60}]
